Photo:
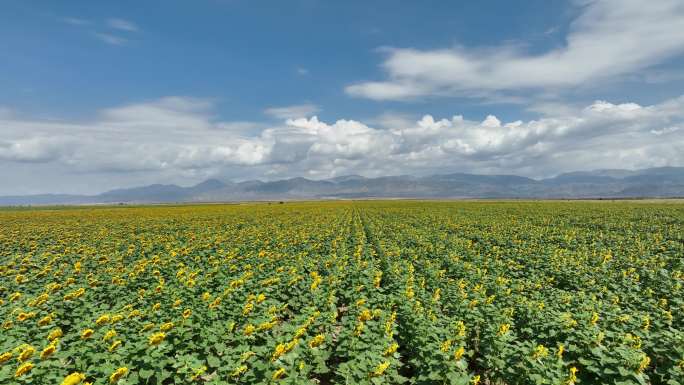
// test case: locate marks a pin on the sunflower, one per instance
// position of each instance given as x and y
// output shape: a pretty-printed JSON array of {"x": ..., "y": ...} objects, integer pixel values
[
  {"x": 23, "y": 369},
  {"x": 117, "y": 375}
]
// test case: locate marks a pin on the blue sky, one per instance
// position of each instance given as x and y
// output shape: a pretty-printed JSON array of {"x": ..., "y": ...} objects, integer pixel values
[
  {"x": 247, "y": 55},
  {"x": 150, "y": 74}
]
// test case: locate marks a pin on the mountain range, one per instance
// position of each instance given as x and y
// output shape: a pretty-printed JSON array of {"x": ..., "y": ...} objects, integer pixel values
[{"x": 659, "y": 182}]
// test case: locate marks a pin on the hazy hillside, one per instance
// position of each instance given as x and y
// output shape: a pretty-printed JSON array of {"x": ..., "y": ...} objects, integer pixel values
[{"x": 653, "y": 182}]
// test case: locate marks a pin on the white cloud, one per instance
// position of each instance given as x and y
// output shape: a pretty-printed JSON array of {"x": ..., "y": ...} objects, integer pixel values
[
  {"x": 491, "y": 121},
  {"x": 118, "y": 24},
  {"x": 168, "y": 112},
  {"x": 239, "y": 127},
  {"x": 347, "y": 139},
  {"x": 122, "y": 25},
  {"x": 110, "y": 39},
  {"x": 292, "y": 112},
  {"x": 610, "y": 38},
  {"x": 175, "y": 138},
  {"x": 666, "y": 130},
  {"x": 33, "y": 149}
]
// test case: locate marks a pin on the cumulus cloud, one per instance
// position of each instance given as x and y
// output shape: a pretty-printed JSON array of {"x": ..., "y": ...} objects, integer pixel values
[
  {"x": 609, "y": 38},
  {"x": 665, "y": 131},
  {"x": 292, "y": 112},
  {"x": 34, "y": 149},
  {"x": 176, "y": 137}
]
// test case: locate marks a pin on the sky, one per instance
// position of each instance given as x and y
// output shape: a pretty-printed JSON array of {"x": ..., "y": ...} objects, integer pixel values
[{"x": 96, "y": 95}]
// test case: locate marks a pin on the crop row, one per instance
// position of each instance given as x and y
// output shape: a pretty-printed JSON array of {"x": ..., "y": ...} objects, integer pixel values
[{"x": 345, "y": 292}]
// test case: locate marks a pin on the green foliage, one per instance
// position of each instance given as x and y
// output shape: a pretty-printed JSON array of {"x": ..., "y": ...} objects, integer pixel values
[{"x": 345, "y": 292}]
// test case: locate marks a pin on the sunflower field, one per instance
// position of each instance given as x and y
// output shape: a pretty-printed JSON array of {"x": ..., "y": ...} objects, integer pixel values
[{"x": 372, "y": 292}]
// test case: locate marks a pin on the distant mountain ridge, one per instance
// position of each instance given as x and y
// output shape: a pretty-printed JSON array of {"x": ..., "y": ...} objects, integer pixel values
[{"x": 660, "y": 182}]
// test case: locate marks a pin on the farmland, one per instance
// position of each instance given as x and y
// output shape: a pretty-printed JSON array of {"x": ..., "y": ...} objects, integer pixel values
[{"x": 344, "y": 292}]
